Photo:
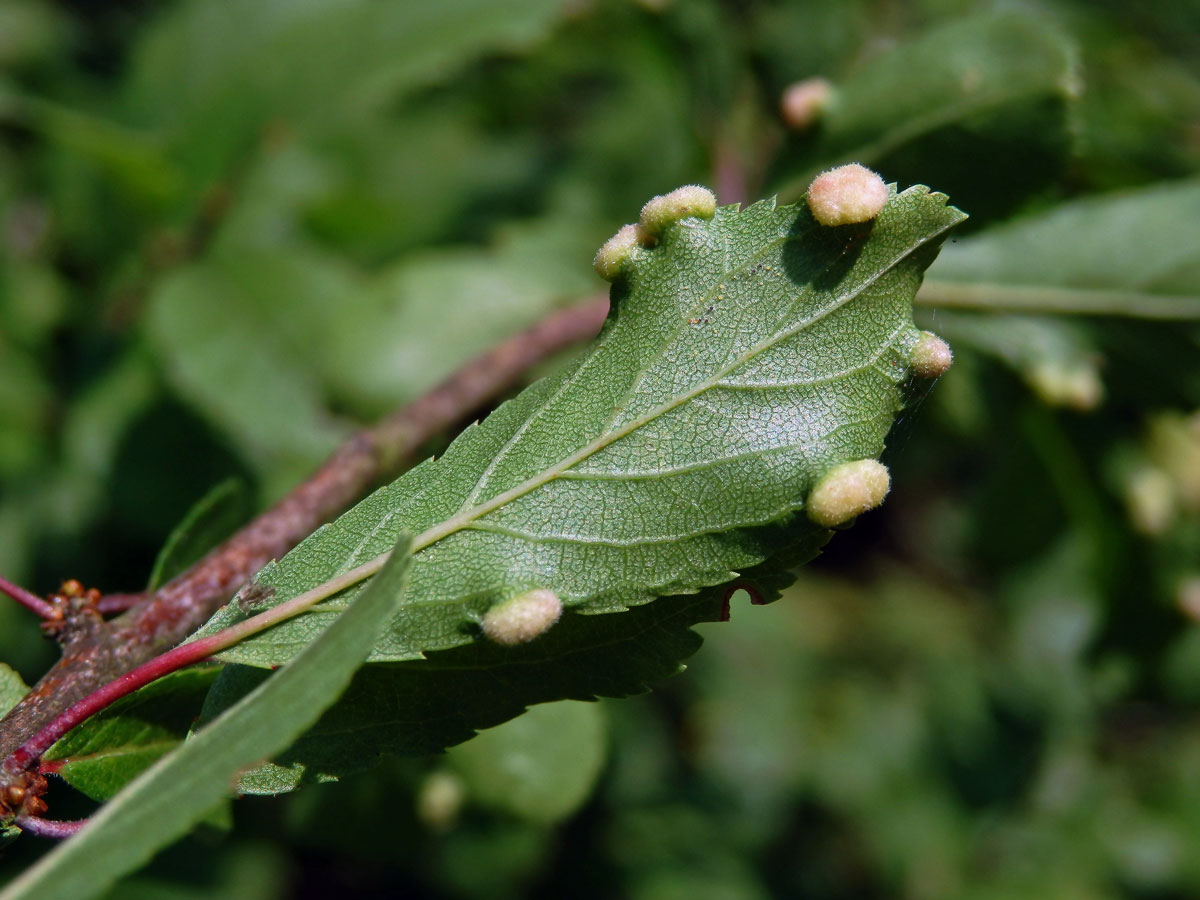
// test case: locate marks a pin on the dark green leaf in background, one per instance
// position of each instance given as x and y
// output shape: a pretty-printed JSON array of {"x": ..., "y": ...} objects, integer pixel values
[
  {"x": 969, "y": 74},
  {"x": 540, "y": 766}
]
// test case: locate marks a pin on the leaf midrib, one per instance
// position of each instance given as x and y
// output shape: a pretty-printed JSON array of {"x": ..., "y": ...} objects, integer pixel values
[
  {"x": 701, "y": 301},
  {"x": 460, "y": 520}
]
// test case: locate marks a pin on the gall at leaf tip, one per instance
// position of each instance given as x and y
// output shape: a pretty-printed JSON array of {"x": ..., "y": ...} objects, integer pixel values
[
  {"x": 804, "y": 102},
  {"x": 848, "y": 490},
  {"x": 689, "y": 200},
  {"x": 930, "y": 356},
  {"x": 520, "y": 619},
  {"x": 847, "y": 195}
]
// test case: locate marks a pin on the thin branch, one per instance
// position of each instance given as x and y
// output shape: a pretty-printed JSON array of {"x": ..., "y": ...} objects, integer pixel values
[
  {"x": 173, "y": 660},
  {"x": 29, "y": 600},
  {"x": 168, "y": 615}
]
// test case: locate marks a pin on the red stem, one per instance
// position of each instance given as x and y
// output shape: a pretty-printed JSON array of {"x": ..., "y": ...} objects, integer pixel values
[
  {"x": 79, "y": 685},
  {"x": 28, "y": 599},
  {"x": 184, "y": 655},
  {"x": 51, "y": 828}
]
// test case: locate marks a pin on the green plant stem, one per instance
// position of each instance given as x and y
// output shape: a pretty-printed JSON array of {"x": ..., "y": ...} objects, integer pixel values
[{"x": 1058, "y": 300}]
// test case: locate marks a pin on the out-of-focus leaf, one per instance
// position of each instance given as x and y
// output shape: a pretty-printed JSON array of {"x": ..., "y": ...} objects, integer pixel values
[
  {"x": 93, "y": 428},
  {"x": 30, "y": 30},
  {"x": 398, "y": 184},
  {"x": 460, "y": 301},
  {"x": 228, "y": 346},
  {"x": 744, "y": 357},
  {"x": 1055, "y": 356},
  {"x": 540, "y": 766},
  {"x": 211, "y": 520},
  {"x": 261, "y": 340},
  {"x": 250, "y": 870},
  {"x": 180, "y": 789},
  {"x": 1146, "y": 240},
  {"x": 12, "y": 689},
  {"x": 951, "y": 75},
  {"x": 24, "y": 396},
  {"x": 32, "y": 296},
  {"x": 1055, "y": 614},
  {"x": 135, "y": 161},
  {"x": 306, "y": 64}
]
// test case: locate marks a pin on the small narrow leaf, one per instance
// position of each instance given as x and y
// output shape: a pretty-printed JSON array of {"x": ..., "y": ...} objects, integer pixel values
[
  {"x": 210, "y": 520},
  {"x": 12, "y": 688},
  {"x": 181, "y": 789},
  {"x": 744, "y": 357}
]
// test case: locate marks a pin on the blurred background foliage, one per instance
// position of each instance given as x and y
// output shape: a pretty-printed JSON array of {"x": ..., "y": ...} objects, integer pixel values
[{"x": 233, "y": 230}]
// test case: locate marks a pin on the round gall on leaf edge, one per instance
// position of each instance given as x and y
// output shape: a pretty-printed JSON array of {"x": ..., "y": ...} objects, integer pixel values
[
  {"x": 847, "y": 195},
  {"x": 848, "y": 490},
  {"x": 930, "y": 356}
]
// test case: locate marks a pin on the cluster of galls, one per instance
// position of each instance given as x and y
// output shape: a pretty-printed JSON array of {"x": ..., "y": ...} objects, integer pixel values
[{"x": 846, "y": 195}]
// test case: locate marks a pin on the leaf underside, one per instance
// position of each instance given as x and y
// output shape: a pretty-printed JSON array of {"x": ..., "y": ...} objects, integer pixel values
[
  {"x": 422, "y": 707},
  {"x": 742, "y": 358}
]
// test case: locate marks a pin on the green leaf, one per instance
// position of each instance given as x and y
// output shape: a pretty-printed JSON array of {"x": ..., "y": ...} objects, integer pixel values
[
  {"x": 330, "y": 63},
  {"x": 212, "y": 519},
  {"x": 1146, "y": 240},
  {"x": 419, "y": 708},
  {"x": 180, "y": 789},
  {"x": 110, "y": 749},
  {"x": 24, "y": 397},
  {"x": 1055, "y": 356},
  {"x": 743, "y": 358},
  {"x": 970, "y": 68},
  {"x": 541, "y": 766},
  {"x": 12, "y": 689},
  {"x": 242, "y": 367}
]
